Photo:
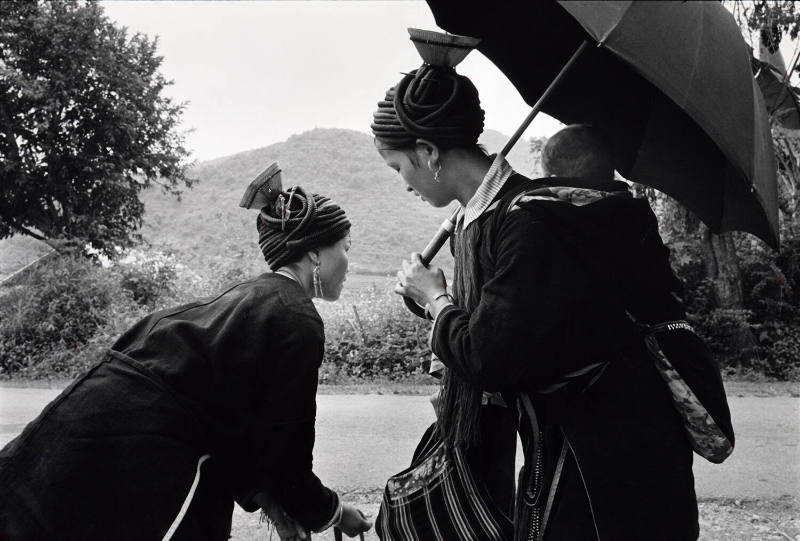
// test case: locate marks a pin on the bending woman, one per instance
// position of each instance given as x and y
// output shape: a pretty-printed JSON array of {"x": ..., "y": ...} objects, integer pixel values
[{"x": 194, "y": 407}]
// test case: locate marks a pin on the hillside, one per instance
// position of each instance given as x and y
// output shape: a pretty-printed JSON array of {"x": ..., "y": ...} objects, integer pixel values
[{"x": 207, "y": 227}]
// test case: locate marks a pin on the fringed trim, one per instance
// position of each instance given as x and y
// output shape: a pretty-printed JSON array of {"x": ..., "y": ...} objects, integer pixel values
[{"x": 459, "y": 411}]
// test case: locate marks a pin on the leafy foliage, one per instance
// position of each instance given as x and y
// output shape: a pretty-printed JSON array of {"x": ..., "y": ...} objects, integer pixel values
[
  {"x": 787, "y": 155},
  {"x": 770, "y": 314},
  {"x": 61, "y": 318},
  {"x": 378, "y": 339},
  {"x": 772, "y": 19},
  {"x": 57, "y": 312},
  {"x": 147, "y": 277},
  {"x": 84, "y": 126}
]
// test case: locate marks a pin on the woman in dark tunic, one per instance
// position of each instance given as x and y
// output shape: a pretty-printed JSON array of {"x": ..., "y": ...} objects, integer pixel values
[
  {"x": 195, "y": 407},
  {"x": 531, "y": 306}
]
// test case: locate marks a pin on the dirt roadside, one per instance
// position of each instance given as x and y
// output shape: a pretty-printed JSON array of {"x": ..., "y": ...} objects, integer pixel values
[{"x": 721, "y": 519}]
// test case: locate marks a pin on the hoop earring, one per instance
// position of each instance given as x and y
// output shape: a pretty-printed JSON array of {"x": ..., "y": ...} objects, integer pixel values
[
  {"x": 436, "y": 173},
  {"x": 317, "y": 281}
]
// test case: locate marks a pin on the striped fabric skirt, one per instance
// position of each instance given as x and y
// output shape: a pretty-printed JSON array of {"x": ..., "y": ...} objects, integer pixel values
[{"x": 438, "y": 498}]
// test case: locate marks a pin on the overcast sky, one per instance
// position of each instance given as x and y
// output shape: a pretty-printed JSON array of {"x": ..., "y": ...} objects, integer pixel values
[{"x": 257, "y": 72}]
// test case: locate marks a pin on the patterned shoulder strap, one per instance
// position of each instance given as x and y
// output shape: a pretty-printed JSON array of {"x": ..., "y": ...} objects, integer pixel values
[{"x": 507, "y": 202}]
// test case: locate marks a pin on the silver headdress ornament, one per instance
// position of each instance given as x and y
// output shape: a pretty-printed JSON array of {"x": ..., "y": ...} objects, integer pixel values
[
  {"x": 264, "y": 190},
  {"x": 440, "y": 49}
]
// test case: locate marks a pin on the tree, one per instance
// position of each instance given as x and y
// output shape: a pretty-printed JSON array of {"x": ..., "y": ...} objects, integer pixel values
[
  {"x": 84, "y": 125},
  {"x": 763, "y": 24},
  {"x": 536, "y": 146}
]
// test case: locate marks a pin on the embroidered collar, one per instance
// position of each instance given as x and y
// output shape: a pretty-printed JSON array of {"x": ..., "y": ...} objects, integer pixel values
[{"x": 495, "y": 178}]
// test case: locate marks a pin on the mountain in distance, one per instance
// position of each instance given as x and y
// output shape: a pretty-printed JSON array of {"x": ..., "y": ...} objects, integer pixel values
[{"x": 207, "y": 228}]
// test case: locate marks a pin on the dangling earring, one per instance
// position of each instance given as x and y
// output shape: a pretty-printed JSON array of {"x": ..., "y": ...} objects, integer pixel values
[
  {"x": 317, "y": 281},
  {"x": 436, "y": 173}
]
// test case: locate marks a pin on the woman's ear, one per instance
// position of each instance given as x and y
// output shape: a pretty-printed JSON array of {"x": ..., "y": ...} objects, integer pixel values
[
  {"x": 427, "y": 150},
  {"x": 313, "y": 255}
]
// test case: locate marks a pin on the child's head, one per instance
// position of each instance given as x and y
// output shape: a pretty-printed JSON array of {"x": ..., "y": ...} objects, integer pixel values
[{"x": 579, "y": 151}]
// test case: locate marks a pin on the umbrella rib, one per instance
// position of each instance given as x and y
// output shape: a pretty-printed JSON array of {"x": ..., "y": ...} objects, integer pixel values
[
  {"x": 695, "y": 62},
  {"x": 540, "y": 102}
]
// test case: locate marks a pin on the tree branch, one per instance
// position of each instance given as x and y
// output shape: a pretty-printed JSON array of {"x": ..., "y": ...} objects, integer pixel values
[{"x": 25, "y": 231}]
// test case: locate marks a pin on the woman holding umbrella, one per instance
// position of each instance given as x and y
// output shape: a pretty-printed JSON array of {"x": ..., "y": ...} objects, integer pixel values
[{"x": 540, "y": 294}]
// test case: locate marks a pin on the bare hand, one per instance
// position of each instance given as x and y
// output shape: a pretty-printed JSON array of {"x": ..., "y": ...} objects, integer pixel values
[
  {"x": 419, "y": 282},
  {"x": 353, "y": 521}
]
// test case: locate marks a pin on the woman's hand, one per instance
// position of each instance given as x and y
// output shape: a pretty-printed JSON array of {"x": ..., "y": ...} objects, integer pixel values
[
  {"x": 353, "y": 521},
  {"x": 419, "y": 282},
  {"x": 288, "y": 529}
]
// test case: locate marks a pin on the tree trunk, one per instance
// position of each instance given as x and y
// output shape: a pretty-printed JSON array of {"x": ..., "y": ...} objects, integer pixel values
[{"x": 722, "y": 268}]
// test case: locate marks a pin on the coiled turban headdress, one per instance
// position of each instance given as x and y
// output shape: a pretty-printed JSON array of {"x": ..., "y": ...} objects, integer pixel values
[
  {"x": 292, "y": 222},
  {"x": 432, "y": 102}
]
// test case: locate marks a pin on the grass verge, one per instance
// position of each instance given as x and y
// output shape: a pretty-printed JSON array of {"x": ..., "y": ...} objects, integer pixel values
[{"x": 426, "y": 386}]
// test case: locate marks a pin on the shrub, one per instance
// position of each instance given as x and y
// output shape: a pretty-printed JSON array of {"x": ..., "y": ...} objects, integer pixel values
[
  {"x": 58, "y": 309},
  {"x": 698, "y": 294},
  {"x": 147, "y": 276},
  {"x": 783, "y": 356},
  {"x": 727, "y": 334},
  {"x": 760, "y": 339},
  {"x": 374, "y": 336}
]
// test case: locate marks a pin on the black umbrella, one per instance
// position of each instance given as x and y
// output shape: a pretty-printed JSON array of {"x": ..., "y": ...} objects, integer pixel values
[{"x": 670, "y": 82}]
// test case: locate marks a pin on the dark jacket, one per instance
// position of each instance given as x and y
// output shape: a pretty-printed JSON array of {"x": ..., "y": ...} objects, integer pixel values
[
  {"x": 113, "y": 457},
  {"x": 556, "y": 281}
]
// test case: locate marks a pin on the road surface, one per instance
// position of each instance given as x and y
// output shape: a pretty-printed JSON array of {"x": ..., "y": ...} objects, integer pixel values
[{"x": 362, "y": 439}]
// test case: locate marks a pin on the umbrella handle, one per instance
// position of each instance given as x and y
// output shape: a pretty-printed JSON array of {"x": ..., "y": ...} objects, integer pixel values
[
  {"x": 427, "y": 255},
  {"x": 447, "y": 227}
]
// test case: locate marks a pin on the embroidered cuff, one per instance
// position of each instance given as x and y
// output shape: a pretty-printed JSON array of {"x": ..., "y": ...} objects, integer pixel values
[
  {"x": 335, "y": 519},
  {"x": 448, "y": 308},
  {"x": 437, "y": 367}
]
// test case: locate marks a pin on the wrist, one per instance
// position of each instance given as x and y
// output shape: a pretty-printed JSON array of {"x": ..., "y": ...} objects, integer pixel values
[
  {"x": 438, "y": 302},
  {"x": 443, "y": 295},
  {"x": 336, "y": 519}
]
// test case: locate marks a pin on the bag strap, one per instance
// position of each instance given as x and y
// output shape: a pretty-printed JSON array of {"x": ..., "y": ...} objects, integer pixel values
[
  {"x": 680, "y": 324},
  {"x": 527, "y": 411},
  {"x": 551, "y": 496},
  {"x": 509, "y": 199}
]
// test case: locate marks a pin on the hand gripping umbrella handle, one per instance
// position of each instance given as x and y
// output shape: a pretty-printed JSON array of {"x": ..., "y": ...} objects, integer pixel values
[
  {"x": 448, "y": 225},
  {"x": 427, "y": 255}
]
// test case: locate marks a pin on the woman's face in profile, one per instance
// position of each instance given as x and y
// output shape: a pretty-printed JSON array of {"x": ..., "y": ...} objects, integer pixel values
[
  {"x": 418, "y": 178},
  {"x": 333, "y": 264}
]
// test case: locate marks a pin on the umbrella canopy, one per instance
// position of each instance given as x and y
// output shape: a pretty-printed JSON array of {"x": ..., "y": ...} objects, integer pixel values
[{"x": 670, "y": 82}]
